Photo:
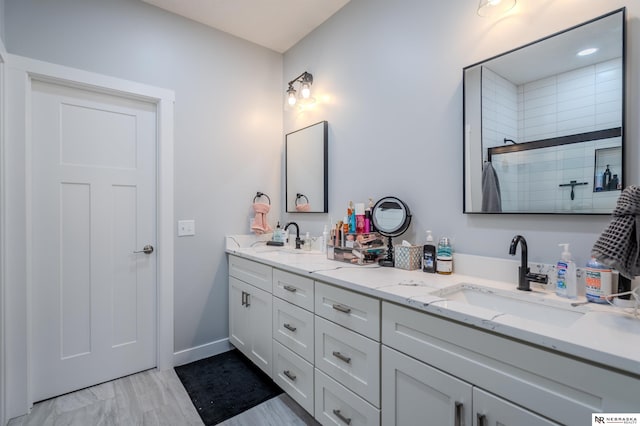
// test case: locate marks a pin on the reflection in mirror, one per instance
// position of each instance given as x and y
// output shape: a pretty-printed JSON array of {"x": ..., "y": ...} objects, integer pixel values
[
  {"x": 544, "y": 124},
  {"x": 391, "y": 218},
  {"x": 306, "y": 178}
]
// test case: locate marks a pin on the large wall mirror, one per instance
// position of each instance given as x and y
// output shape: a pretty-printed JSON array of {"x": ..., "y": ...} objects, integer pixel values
[
  {"x": 544, "y": 124},
  {"x": 306, "y": 173}
]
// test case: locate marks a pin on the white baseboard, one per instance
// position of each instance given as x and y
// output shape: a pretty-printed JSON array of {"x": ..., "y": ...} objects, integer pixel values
[{"x": 200, "y": 352}]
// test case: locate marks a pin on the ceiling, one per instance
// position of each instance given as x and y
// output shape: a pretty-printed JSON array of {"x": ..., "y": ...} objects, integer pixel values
[{"x": 275, "y": 24}]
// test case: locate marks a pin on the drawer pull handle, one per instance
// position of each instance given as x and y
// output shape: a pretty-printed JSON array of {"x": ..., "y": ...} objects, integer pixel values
[
  {"x": 289, "y": 374},
  {"x": 290, "y": 288},
  {"x": 481, "y": 419},
  {"x": 289, "y": 327},
  {"x": 342, "y": 308},
  {"x": 342, "y": 357},
  {"x": 339, "y": 415},
  {"x": 246, "y": 300},
  {"x": 457, "y": 413}
]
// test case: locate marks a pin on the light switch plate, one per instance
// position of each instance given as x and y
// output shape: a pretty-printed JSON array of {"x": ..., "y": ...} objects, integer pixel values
[{"x": 186, "y": 228}]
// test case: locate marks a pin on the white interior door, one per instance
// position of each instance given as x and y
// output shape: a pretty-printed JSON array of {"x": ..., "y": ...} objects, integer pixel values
[{"x": 93, "y": 204}]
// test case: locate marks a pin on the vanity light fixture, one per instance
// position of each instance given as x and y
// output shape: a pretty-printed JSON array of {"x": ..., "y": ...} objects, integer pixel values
[
  {"x": 306, "y": 80},
  {"x": 489, "y": 8}
]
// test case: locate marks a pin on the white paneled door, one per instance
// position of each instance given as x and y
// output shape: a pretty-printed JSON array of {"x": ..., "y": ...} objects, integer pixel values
[{"x": 93, "y": 204}]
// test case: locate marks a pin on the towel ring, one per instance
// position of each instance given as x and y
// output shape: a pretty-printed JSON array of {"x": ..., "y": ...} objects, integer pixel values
[
  {"x": 261, "y": 194},
  {"x": 298, "y": 196}
]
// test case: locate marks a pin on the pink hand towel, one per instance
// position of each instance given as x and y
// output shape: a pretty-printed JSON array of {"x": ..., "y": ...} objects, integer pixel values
[
  {"x": 303, "y": 207},
  {"x": 260, "y": 224}
]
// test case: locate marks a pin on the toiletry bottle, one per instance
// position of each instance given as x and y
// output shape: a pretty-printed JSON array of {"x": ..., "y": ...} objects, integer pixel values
[
  {"x": 598, "y": 279},
  {"x": 598, "y": 184},
  {"x": 606, "y": 178},
  {"x": 444, "y": 257},
  {"x": 278, "y": 236},
  {"x": 351, "y": 215},
  {"x": 429, "y": 255},
  {"x": 613, "y": 185},
  {"x": 325, "y": 239},
  {"x": 566, "y": 285},
  {"x": 359, "y": 218},
  {"x": 372, "y": 228},
  {"x": 307, "y": 242}
]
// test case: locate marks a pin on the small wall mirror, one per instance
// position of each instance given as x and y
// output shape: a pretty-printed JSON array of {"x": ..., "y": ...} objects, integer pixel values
[
  {"x": 306, "y": 173},
  {"x": 391, "y": 218},
  {"x": 544, "y": 124}
]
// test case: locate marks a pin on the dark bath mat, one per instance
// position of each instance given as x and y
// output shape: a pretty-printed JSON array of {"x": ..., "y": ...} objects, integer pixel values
[{"x": 225, "y": 385}]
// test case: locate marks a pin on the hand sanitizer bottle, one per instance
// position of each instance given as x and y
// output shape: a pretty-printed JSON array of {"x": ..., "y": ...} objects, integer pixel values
[{"x": 566, "y": 283}]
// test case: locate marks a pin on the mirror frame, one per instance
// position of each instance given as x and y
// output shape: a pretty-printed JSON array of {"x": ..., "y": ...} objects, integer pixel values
[
  {"x": 467, "y": 155},
  {"x": 401, "y": 228},
  {"x": 324, "y": 180}
]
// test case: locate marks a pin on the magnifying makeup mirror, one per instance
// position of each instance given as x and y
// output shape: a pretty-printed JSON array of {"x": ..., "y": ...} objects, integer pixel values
[{"x": 391, "y": 218}]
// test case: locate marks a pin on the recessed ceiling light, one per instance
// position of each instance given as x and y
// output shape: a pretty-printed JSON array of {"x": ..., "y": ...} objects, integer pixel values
[{"x": 586, "y": 52}]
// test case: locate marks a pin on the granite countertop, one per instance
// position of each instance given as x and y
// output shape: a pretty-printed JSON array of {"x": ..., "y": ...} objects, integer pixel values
[{"x": 601, "y": 333}]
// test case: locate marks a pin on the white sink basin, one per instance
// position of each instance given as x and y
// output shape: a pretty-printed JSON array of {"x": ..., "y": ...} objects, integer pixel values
[{"x": 526, "y": 306}]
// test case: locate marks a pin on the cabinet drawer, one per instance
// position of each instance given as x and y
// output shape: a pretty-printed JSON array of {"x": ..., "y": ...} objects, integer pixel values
[
  {"x": 294, "y": 375},
  {"x": 336, "y": 405},
  {"x": 251, "y": 272},
  {"x": 293, "y": 288},
  {"x": 491, "y": 410},
  {"x": 349, "y": 358},
  {"x": 352, "y": 310},
  {"x": 293, "y": 327}
]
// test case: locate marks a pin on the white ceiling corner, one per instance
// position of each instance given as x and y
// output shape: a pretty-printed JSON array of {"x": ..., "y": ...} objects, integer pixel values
[{"x": 275, "y": 24}]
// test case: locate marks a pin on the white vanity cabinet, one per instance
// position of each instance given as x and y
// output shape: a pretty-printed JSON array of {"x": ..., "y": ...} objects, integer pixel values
[
  {"x": 505, "y": 375},
  {"x": 250, "y": 311}
]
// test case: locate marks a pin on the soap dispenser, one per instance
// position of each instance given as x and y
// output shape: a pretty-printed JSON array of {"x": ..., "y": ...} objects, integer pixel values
[{"x": 566, "y": 283}]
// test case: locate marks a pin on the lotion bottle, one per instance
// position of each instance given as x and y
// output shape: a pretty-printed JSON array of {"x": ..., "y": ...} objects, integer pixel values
[{"x": 566, "y": 282}]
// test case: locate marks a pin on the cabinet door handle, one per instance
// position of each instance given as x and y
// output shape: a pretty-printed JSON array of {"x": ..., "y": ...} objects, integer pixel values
[
  {"x": 246, "y": 300},
  {"x": 289, "y": 327},
  {"x": 339, "y": 415},
  {"x": 342, "y": 357},
  {"x": 244, "y": 296},
  {"x": 457, "y": 413},
  {"x": 290, "y": 288},
  {"x": 481, "y": 418},
  {"x": 342, "y": 308},
  {"x": 289, "y": 374}
]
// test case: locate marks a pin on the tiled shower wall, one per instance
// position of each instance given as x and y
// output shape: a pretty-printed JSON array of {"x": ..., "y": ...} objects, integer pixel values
[{"x": 582, "y": 100}]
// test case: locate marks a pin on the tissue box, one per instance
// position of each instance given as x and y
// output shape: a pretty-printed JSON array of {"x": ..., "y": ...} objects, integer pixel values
[{"x": 408, "y": 257}]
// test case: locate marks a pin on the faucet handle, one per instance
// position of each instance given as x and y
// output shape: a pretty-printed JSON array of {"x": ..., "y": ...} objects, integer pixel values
[{"x": 538, "y": 278}]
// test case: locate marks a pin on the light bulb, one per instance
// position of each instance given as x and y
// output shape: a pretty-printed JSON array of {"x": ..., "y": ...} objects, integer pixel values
[
  {"x": 305, "y": 90},
  {"x": 291, "y": 97}
]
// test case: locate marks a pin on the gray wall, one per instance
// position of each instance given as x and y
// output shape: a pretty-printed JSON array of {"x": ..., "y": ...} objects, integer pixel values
[
  {"x": 228, "y": 123},
  {"x": 388, "y": 76}
]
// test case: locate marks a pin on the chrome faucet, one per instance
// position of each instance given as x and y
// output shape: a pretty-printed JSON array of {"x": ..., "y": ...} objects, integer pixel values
[
  {"x": 298, "y": 241},
  {"x": 524, "y": 276}
]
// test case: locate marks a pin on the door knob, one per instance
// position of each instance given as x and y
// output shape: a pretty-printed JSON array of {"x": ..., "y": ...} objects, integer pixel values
[{"x": 148, "y": 249}]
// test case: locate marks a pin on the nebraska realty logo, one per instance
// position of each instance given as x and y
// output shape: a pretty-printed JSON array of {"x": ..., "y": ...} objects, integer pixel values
[{"x": 615, "y": 419}]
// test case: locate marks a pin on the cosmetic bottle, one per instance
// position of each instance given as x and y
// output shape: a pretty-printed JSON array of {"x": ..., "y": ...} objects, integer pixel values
[
  {"x": 360, "y": 218},
  {"x": 325, "y": 236},
  {"x": 278, "y": 234},
  {"x": 444, "y": 257},
  {"x": 351, "y": 215},
  {"x": 429, "y": 255},
  {"x": 368, "y": 214}
]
